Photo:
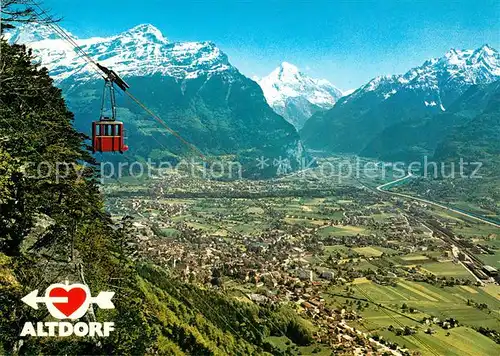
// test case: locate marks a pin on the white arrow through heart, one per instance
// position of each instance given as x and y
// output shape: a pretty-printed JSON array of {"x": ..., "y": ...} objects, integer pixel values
[
  {"x": 103, "y": 300},
  {"x": 32, "y": 299}
]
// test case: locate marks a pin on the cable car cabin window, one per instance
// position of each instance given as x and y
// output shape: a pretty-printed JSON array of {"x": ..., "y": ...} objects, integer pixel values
[{"x": 108, "y": 129}]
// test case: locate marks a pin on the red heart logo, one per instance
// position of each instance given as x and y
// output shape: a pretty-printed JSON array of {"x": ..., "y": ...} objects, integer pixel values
[{"x": 76, "y": 297}]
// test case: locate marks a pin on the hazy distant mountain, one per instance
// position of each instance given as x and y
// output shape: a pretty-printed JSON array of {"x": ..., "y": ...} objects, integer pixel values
[
  {"x": 191, "y": 85},
  {"x": 358, "y": 119},
  {"x": 296, "y": 96}
]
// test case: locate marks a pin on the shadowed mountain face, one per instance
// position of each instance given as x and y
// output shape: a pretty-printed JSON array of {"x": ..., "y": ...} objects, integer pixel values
[
  {"x": 477, "y": 139},
  {"x": 191, "y": 86},
  {"x": 385, "y": 102},
  {"x": 412, "y": 139}
]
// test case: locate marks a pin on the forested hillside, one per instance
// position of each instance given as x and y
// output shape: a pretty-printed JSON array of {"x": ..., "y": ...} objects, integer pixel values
[
  {"x": 479, "y": 138},
  {"x": 54, "y": 229},
  {"x": 410, "y": 140}
]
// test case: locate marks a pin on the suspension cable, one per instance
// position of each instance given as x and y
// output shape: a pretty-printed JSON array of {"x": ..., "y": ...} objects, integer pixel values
[
  {"x": 65, "y": 36},
  {"x": 158, "y": 119}
]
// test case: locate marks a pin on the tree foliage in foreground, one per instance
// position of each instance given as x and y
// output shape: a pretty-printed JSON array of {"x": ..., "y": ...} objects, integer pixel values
[{"x": 54, "y": 228}]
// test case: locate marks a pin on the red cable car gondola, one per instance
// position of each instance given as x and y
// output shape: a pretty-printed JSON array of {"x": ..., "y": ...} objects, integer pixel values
[
  {"x": 108, "y": 133},
  {"x": 108, "y": 136}
]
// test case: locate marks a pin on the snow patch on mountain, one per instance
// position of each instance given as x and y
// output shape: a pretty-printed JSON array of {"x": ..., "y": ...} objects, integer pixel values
[
  {"x": 139, "y": 51},
  {"x": 348, "y": 92}
]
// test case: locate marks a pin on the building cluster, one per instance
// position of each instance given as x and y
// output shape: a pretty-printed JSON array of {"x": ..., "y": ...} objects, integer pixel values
[{"x": 284, "y": 262}]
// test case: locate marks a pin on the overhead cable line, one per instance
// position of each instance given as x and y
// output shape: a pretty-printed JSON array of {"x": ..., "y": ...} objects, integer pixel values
[{"x": 100, "y": 70}]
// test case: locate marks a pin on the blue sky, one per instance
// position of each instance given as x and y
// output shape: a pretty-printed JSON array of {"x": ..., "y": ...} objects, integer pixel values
[{"x": 346, "y": 42}]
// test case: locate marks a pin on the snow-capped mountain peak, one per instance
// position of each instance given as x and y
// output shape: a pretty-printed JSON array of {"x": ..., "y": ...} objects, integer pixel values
[
  {"x": 139, "y": 51},
  {"x": 295, "y": 95},
  {"x": 470, "y": 65},
  {"x": 287, "y": 81},
  {"x": 147, "y": 32},
  {"x": 486, "y": 48},
  {"x": 287, "y": 72},
  {"x": 439, "y": 80},
  {"x": 32, "y": 32}
]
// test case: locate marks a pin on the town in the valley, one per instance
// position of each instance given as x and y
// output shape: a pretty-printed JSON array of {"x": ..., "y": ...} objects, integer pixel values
[{"x": 372, "y": 271}]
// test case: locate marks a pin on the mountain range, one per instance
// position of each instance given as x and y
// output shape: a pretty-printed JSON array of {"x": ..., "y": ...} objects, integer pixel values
[
  {"x": 140, "y": 51},
  {"x": 373, "y": 119},
  {"x": 296, "y": 96},
  {"x": 191, "y": 85},
  {"x": 200, "y": 94},
  {"x": 412, "y": 139}
]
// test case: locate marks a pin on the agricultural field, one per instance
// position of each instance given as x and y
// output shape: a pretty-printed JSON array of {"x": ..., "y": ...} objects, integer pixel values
[
  {"x": 454, "y": 342},
  {"x": 447, "y": 269},
  {"x": 341, "y": 231},
  {"x": 465, "y": 226},
  {"x": 385, "y": 308},
  {"x": 415, "y": 258},
  {"x": 382, "y": 216},
  {"x": 373, "y": 251},
  {"x": 342, "y": 250},
  {"x": 168, "y": 232},
  {"x": 475, "y": 229},
  {"x": 493, "y": 290},
  {"x": 492, "y": 260}
]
